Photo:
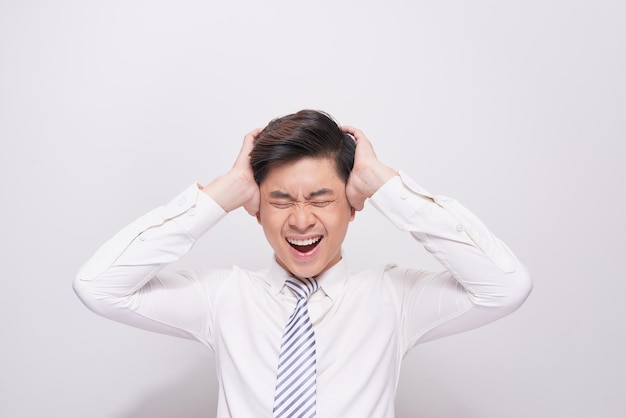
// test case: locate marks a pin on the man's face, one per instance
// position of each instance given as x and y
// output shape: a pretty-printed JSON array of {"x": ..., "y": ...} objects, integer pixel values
[{"x": 305, "y": 214}]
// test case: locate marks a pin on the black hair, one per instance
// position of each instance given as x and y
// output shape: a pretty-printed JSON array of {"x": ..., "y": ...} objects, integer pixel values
[{"x": 307, "y": 133}]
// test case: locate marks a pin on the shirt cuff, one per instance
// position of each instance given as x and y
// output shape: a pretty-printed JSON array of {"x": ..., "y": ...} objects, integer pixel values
[
  {"x": 399, "y": 199},
  {"x": 194, "y": 211}
]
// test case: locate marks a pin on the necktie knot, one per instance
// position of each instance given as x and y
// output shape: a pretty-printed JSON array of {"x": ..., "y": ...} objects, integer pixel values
[{"x": 303, "y": 288}]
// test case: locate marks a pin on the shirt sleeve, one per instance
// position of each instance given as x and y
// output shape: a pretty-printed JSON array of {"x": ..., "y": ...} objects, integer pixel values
[
  {"x": 123, "y": 279},
  {"x": 482, "y": 281}
]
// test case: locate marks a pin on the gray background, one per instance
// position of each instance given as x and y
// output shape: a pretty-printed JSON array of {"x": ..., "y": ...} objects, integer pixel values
[{"x": 515, "y": 108}]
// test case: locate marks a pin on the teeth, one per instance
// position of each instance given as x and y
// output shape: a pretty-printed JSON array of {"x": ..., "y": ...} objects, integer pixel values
[{"x": 303, "y": 241}]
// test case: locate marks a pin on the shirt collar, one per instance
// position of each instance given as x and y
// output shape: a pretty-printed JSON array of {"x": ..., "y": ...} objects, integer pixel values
[{"x": 331, "y": 281}]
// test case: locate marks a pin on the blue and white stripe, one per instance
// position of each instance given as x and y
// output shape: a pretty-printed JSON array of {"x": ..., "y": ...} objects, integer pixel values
[{"x": 296, "y": 377}]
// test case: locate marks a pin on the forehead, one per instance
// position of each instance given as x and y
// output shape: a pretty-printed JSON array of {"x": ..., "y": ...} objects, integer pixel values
[{"x": 303, "y": 176}]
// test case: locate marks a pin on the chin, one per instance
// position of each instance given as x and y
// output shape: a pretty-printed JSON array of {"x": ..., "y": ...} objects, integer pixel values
[{"x": 304, "y": 272}]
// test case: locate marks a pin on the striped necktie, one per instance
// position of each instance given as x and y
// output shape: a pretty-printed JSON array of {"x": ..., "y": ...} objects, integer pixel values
[{"x": 295, "y": 381}]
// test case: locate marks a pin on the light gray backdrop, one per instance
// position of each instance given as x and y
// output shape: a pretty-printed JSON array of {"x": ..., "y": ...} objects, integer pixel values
[{"x": 516, "y": 108}]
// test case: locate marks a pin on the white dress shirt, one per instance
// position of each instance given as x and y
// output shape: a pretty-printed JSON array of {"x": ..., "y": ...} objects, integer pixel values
[{"x": 364, "y": 322}]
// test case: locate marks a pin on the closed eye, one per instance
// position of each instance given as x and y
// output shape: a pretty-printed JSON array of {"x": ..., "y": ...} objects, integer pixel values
[
  {"x": 321, "y": 203},
  {"x": 314, "y": 203},
  {"x": 279, "y": 205}
]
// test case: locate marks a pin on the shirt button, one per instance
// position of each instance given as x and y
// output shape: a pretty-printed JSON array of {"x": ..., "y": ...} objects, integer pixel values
[
  {"x": 404, "y": 196},
  {"x": 191, "y": 211},
  {"x": 141, "y": 237},
  {"x": 459, "y": 227}
]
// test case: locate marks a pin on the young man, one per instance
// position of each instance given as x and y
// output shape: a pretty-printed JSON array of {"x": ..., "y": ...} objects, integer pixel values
[{"x": 305, "y": 337}]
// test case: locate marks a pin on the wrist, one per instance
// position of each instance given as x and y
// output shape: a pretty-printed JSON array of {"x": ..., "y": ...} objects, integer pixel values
[
  {"x": 230, "y": 191},
  {"x": 378, "y": 176}
]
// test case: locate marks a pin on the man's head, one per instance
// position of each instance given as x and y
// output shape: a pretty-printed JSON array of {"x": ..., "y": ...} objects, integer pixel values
[
  {"x": 302, "y": 163},
  {"x": 307, "y": 133}
]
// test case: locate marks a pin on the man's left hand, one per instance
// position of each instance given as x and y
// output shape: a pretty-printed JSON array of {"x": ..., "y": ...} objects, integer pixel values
[{"x": 368, "y": 174}]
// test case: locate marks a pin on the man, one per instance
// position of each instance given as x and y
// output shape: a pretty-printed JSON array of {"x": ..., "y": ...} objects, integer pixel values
[{"x": 305, "y": 337}]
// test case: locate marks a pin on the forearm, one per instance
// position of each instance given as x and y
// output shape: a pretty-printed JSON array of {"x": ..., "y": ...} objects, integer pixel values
[
  {"x": 126, "y": 262},
  {"x": 488, "y": 271}
]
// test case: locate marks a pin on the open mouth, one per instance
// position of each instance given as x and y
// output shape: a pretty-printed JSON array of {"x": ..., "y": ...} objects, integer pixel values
[{"x": 304, "y": 245}]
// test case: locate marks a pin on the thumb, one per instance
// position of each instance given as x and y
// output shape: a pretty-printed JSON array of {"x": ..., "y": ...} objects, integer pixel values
[{"x": 355, "y": 199}]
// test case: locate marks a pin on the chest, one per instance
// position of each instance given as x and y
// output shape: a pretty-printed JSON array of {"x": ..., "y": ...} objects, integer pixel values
[{"x": 362, "y": 317}]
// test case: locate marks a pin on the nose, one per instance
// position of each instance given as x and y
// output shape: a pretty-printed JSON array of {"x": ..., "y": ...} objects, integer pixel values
[{"x": 302, "y": 217}]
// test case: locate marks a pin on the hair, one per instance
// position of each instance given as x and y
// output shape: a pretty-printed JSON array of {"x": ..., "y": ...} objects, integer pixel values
[{"x": 307, "y": 133}]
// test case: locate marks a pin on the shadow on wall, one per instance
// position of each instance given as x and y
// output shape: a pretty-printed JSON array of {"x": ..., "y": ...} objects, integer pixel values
[{"x": 194, "y": 395}]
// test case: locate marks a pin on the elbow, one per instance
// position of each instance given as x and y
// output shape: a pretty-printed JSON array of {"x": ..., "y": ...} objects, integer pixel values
[
  {"x": 528, "y": 281},
  {"x": 84, "y": 291},
  {"x": 90, "y": 295},
  {"x": 518, "y": 286},
  {"x": 507, "y": 293}
]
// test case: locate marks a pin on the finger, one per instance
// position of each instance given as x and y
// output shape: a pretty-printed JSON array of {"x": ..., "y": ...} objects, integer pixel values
[
  {"x": 359, "y": 207},
  {"x": 253, "y": 133},
  {"x": 248, "y": 143},
  {"x": 252, "y": 206},
  {"x": 252, "y": 211},
  {"x": 352, "y": 130},
  {"x": 358, "y": 134},
  {"x": 251, "y": 137}
]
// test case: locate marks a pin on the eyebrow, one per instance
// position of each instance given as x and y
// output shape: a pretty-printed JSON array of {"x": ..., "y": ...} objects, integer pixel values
[
  {"x": 279, "y": 194},
  {"x": 320, "y": 192}
]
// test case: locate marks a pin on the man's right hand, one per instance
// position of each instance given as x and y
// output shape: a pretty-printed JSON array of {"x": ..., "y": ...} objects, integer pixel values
[{"x": 237, "y": 187}]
